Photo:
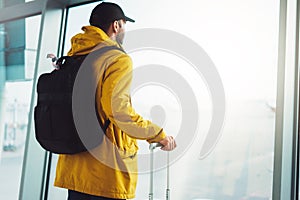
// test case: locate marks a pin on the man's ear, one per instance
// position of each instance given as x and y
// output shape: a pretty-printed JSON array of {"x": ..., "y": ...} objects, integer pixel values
[{"x": 115, "y": 26}]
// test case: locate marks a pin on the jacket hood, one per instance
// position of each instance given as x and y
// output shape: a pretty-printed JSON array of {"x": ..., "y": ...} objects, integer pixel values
[{"x": 91, "y": 38}]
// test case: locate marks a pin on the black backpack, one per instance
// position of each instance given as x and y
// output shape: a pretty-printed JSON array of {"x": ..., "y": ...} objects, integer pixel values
[{"x": 55, "y": 129}]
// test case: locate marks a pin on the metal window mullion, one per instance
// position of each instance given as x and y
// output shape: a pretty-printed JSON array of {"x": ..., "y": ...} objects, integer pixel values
[
  {"x": 277, "y": 173},
  {"x": 295, "y": 158},
  {"x": 21, "y": 11},
  {"x": 286, "y": 128}
]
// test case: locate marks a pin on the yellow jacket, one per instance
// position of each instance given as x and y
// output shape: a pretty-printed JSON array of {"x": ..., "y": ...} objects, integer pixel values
[{"x": 109, "y": 170}]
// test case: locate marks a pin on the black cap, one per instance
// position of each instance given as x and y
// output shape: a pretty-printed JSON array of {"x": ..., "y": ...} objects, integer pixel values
[{"x": 106, "y": 12}]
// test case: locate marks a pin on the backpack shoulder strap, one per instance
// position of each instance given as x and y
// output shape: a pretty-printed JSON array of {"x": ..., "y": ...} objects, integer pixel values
[{"x": 106, "y": 49}]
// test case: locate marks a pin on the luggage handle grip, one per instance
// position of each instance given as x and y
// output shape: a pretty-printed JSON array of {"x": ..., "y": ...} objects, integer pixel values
[{"x": 153, "y": 146}]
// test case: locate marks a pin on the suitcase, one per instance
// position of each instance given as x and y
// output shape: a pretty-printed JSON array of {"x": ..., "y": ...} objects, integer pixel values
[{"x": 151, "y": 195}]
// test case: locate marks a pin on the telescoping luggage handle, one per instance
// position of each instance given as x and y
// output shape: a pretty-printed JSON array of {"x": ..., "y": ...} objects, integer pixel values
[{"x": 152, "y": 147}]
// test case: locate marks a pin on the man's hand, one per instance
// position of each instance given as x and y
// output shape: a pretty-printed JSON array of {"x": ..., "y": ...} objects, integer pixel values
[{"x": 168, "y": 143}]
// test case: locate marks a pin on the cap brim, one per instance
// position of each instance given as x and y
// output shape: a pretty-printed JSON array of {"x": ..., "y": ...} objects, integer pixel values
[{"x": 129, "y": 19}]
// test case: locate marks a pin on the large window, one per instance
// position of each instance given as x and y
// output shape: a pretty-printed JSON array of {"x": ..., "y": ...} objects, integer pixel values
[
  {"x": 241, "y": 38},
  {"x": 18, "y": 46}
]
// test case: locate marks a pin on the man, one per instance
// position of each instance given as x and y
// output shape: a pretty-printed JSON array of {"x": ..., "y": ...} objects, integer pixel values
[{"x": 110, "y": 170}]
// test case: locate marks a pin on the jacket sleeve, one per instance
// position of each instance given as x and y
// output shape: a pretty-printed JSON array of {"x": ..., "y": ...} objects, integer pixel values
[{"x": 117, "y": 105}]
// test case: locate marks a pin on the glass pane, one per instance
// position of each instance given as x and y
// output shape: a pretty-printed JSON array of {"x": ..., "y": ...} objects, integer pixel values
[
  {"x": 17, "y": 56},
  {"x": 240, "y": 37}
]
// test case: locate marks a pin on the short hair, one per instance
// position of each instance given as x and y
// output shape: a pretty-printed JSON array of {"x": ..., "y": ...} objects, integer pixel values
[{"x": 103, "y": 26}]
